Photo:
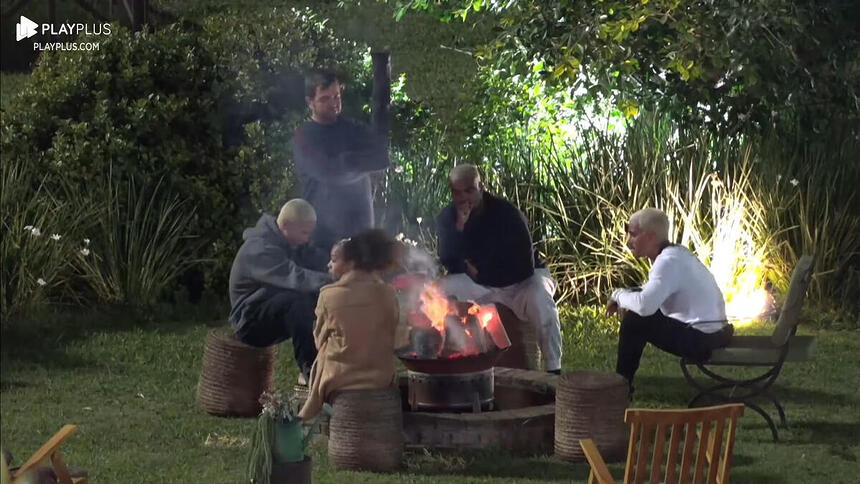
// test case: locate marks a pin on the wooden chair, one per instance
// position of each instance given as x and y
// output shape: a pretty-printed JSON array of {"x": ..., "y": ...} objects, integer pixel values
[
  {"x": 651, "y": 430},
  {"x": 768, "y": 353},
  {"x": 51, "y": 450}
]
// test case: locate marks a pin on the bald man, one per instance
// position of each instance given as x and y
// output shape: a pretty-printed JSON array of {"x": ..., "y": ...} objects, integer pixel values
[
  {"x": 680, "y": 309},
  {"x": 485, "y": 244},
  {"x": 275, "y": 281}
]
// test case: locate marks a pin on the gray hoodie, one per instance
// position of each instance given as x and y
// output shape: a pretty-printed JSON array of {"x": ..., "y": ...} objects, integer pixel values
[{"x": 267, "y": 260}]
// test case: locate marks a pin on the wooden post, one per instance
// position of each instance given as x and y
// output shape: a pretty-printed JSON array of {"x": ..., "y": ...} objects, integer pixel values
[{"x": 381, "y": 113}]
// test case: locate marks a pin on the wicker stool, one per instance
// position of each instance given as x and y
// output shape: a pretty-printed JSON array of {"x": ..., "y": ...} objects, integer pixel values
[
  {"x": 523, "y": 352},
  {"x": 590, "y": 404},
  {"x": 234, "y": 375},
  {"x": 366, "y": 430}
]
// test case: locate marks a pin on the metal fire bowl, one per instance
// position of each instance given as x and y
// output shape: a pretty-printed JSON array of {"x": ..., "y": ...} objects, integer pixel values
[{"x": 456, "y": 365}]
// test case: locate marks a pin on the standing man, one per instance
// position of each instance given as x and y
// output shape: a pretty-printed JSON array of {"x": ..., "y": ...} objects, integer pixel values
[
  {"x": 334, "y": 159},
  {"x": 680, "y": 309},
  {"x": 275, "y": 281},
  {"x": 486, "y": 246}
]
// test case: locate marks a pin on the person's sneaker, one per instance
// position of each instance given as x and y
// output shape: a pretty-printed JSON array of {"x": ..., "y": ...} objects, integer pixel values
[{"x": 303, "y": 380}]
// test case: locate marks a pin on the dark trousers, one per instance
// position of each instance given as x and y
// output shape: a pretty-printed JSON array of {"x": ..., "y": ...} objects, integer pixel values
[
  {"x": 670, "y": 335},
  {"x": 280, "y": 315}
]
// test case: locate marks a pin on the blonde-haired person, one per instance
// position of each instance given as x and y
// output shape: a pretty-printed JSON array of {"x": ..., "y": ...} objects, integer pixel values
[
  {"x": 680, "y": 309},
  {"x": 275, "y": 282},
  {"x": 486, "y": 246},
  {"x": 356, "y": 322}
]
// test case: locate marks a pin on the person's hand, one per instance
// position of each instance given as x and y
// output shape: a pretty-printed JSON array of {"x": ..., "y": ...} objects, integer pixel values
[
  {"x": 611, "y": 307},
  {"x": 463, "y": 212},
  {"x": 471, "y": 270}
]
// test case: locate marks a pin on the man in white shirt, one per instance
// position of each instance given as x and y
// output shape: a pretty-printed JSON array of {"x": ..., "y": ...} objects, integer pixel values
[{"x": 680, "y": 309}]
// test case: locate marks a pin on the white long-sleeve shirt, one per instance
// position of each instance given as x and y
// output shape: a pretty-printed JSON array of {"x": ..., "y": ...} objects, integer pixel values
[{"x": 682, "y": 288}]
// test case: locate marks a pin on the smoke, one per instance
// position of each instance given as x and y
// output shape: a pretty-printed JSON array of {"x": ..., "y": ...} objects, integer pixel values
[{"x": 417, "y": 260}]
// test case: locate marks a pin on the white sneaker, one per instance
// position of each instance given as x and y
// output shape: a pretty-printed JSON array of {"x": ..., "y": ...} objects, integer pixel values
[{"x": 302, "y": 380}]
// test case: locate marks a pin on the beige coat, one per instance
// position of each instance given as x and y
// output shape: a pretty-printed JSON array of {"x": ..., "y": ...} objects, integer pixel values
[{"x": 354, "y": 333}]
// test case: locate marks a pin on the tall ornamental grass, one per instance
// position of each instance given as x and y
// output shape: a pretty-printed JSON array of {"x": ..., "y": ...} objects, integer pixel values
[
  {"x": 43, "y": 232},
  {"x": 143, "y": 245},
  {"x": 748, "y": 207}
]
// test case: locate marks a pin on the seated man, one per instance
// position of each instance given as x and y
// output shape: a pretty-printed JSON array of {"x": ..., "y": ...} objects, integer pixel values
[
  {"x": 486, "y": 246},
  {"x": 275, "y": 281},
  {"x": 680, "y": 309}
]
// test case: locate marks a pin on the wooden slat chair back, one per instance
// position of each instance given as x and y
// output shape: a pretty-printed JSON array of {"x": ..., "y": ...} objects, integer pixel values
[
  {"x": 51, "y": 450},
  {"x": 674, "y": 446},
  {"x": 786, "y": 325}
]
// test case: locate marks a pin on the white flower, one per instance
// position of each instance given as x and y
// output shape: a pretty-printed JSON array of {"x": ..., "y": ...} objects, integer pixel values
[
  {"x": 35, "y": 232},
  {"x": 85, "y": 252},
  {"x": 40, "y": 281},
  {"x": 398, "y": 169},
  {"x": 56, "y": 237},
  {"x": 86, "y": 241},
  {"x": 433, "y": 171},
  {"x": 794, "y": 182},
  {"x": 419, "y": 219},
  {"x": 29, "y": 227},
  {"x": 399, "y": 237},
  {"x": 778, "y": 177}
]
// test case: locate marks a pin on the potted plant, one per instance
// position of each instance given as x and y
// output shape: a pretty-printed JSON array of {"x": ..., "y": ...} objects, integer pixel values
[{"x": 278, "y": 446}]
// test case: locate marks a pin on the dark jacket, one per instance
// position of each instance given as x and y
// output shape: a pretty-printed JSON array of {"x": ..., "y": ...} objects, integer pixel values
[
  {"x": 333, "y": 163},
  {"x": 267, "y": 260},
  {"x": 496, "y": 240}
]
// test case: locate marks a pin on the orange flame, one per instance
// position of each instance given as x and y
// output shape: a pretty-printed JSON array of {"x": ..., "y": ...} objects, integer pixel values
[
  {"x": 435, "y": 307},
  {"x": 485, "y": 319}
]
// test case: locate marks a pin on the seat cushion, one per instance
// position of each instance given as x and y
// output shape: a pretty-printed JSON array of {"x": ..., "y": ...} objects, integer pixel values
[{"x": 758, "y": 351}]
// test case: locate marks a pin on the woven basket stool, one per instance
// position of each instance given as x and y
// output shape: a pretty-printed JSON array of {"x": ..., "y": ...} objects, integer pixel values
[
  {"x": 233, "y": 375},
  {"x": 523, "y": 352},
  {"x": 590, "y": 405},
  {"x": 366, "y": 430}
]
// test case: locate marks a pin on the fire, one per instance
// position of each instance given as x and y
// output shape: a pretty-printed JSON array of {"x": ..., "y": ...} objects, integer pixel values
[
  {"x": 435, "y": 307},
  {"x": 458, "y": 329},
  {"x": 486, "y": 318}
]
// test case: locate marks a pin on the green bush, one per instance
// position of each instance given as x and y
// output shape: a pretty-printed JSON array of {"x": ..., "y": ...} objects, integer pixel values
[{"x": 209, "y": 109}]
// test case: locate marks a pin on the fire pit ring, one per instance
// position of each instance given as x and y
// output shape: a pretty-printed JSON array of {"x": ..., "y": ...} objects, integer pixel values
[
  {"x": 521, "y": 422},
  {"x": 454, "y": 392}
]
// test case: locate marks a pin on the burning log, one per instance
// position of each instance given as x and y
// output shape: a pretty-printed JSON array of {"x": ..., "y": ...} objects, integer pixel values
[{"x": 443, "y": 327}]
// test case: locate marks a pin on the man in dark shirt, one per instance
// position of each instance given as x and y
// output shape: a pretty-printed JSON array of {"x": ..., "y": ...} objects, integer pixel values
[
  {"x": 275, "y": 281},
  {"x": 334, "y": 158},
  {"x": 485, "y": 244}
]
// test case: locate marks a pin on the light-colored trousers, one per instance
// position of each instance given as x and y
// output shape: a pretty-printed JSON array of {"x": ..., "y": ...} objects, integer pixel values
[{"x": 531, "y": 300}]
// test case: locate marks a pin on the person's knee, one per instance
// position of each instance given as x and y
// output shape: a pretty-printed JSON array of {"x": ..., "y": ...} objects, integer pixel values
[{"x": 631, "y": 323}]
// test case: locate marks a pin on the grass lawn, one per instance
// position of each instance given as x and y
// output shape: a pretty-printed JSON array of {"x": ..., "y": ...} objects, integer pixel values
[{"x": 130, "y": 388}]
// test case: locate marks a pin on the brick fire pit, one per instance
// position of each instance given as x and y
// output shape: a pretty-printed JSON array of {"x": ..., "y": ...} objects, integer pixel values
[{"x": 522, "y": 421}]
